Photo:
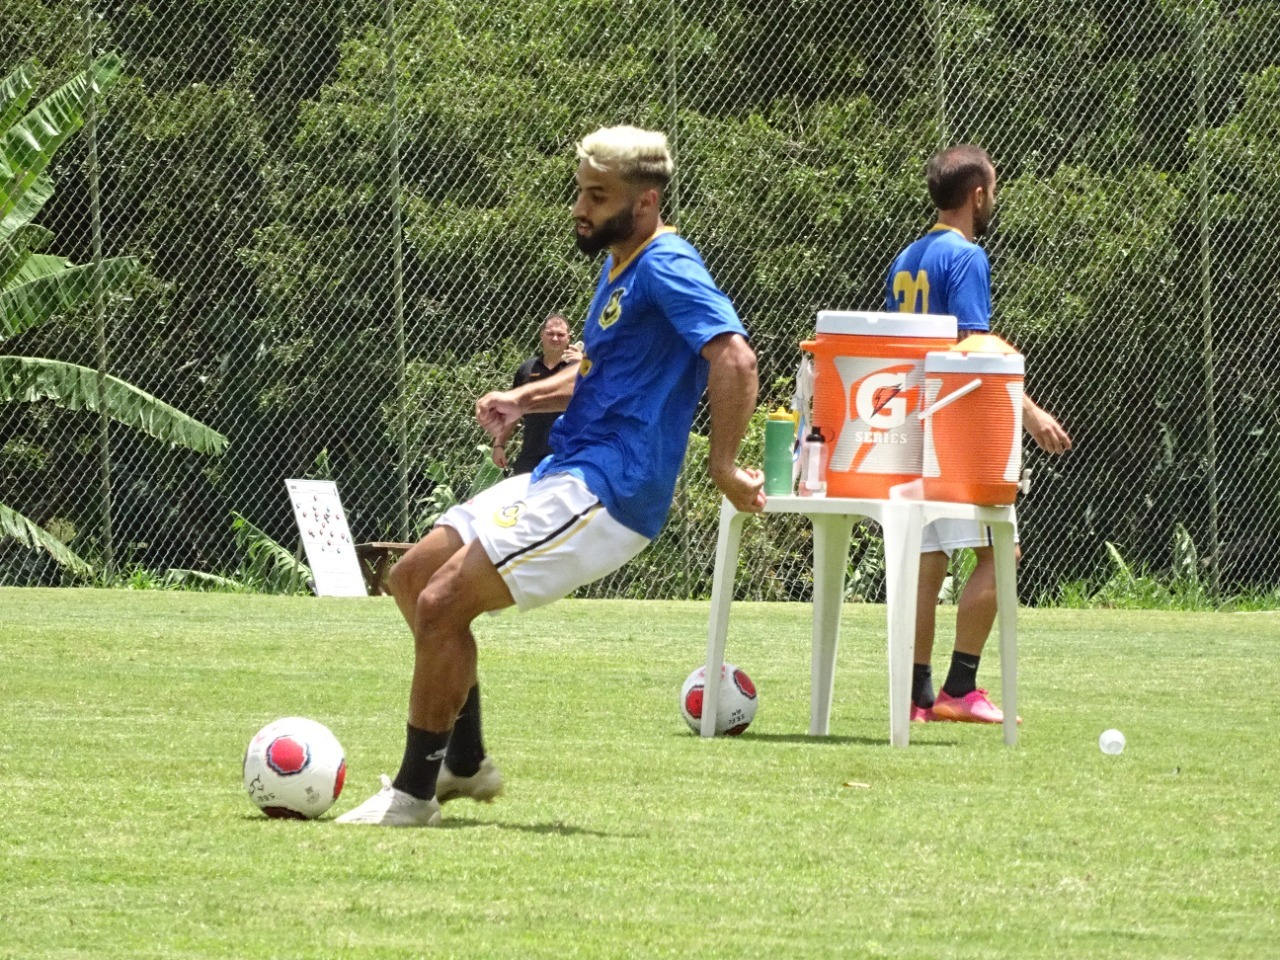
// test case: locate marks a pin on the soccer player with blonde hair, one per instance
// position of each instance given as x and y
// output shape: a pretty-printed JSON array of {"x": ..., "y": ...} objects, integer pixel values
[
  {"x": 658, "y": 334},
  {"x": 635, "y": 154}
]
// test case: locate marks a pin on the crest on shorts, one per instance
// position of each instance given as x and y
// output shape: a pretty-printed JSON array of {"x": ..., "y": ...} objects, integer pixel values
[
  {"x": 612, "y": 311},
  {"x": 509, "y": 515}
]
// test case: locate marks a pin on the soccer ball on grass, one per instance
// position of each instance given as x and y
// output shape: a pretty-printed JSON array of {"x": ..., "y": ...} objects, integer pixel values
[
  {"x": 736, "y": 707},
  {"x": 294, "y": 768}
]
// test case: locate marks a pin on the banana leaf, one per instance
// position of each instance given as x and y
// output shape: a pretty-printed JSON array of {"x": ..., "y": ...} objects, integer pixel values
[
  {"x": 46, "y": 285},
  {"x": 26, "y": 379},
  {"x": 28, "y": 205},
  {"x": 271, "y": 567},
  {"x": 27, "y": 146},
  {"x": 15, "y": 93},
  {"x": 15, "y": 251},
  {"x": 31, "y": 534},
  {"x": 199, "y": 580}
]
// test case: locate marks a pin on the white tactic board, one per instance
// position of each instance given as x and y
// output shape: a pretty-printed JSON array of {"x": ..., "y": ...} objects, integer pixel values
[{"x": 322, "y": 524}]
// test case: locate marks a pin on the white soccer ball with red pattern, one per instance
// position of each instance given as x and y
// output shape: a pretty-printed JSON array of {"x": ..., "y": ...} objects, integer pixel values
[
  {"x": 294, "y": 768},
  {"x": 736, "y": 707}
]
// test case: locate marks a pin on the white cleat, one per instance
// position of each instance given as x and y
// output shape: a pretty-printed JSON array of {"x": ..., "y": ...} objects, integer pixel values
[
  {"x": 390, "y": 807},
  {"x": 482, "y": 786}
]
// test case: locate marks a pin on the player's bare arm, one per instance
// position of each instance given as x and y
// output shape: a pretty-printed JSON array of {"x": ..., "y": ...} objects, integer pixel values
[
  {"x": 500, "y": 440},
  {"x": 1044, "y": 428},
  {"x": 731, "y": 395},
  {"x": 499, "y": 410}
]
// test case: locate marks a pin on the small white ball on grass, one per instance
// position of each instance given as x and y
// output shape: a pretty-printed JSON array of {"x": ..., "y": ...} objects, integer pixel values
[{"x": 1111, "y": 741}]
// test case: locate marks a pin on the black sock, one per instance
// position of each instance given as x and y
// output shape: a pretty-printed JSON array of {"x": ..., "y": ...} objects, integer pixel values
[
  {"x": 922, "y": 685},
  {"x": 423, "y": 754},
  {"x": 466, "y": 748},
  {"x": 962, "y": 678}
]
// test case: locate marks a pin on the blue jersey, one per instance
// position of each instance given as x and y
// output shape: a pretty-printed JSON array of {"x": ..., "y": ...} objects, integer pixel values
[
  {"x": 943, "y": 272},
  {"x": 627, "y": 425}
]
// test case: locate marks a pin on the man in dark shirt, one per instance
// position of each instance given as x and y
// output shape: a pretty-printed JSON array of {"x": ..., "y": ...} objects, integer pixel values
[{"x": 557, "y": 353}]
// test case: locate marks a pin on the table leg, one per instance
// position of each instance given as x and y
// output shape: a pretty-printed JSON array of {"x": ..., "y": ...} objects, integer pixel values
[
  {"x": 380, "y": 574},
  {"x": 721, "y": 596},
  {"x": 831, "y": 533},
  {"x": 1007, "y": 617},
  {"x": 903, "y": 526}
]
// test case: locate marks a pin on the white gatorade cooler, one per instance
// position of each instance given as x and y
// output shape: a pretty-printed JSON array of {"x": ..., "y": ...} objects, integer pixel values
[
  {"x": 868, "y": 388},
  {"x": 973, "y": 422}
]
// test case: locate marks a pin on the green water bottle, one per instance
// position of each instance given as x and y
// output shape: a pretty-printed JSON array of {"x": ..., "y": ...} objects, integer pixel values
[{"x": 779, "y": 439}]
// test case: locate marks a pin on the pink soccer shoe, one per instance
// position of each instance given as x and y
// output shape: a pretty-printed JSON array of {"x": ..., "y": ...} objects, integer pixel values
[
  {"x": 921, "y": 714},
  {"x": 973, "y": 707}
]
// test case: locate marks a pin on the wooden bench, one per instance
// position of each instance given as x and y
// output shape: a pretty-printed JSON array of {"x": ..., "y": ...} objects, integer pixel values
[{"x": 376, "y": 559}]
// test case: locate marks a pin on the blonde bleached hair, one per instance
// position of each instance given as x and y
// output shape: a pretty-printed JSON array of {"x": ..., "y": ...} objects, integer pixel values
[{"x": 640, "y": 156}]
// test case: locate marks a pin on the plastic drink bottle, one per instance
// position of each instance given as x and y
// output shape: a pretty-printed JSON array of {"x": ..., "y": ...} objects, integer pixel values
[
  {"x": 813, "y": 468},
  {"x": 779, "y": 440}
]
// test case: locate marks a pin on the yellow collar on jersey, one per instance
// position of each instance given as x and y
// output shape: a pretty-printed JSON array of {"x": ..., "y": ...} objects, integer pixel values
[
  {"x": 619, "y": 267},
  {"x": 942, "y": 226}
]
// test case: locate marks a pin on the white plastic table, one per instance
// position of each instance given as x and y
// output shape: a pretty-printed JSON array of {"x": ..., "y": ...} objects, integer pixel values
[{"x": 902, "y": 521}]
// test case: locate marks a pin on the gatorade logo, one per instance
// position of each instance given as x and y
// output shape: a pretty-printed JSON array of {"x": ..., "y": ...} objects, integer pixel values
[
  {"x": 881, "y": 400},
  {"x": 879, "y": 435}
]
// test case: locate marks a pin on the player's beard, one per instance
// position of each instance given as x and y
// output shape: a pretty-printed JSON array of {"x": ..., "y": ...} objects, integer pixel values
[
  {"x": 982, "y": 222},
  {"x": 618, "y": 227}
]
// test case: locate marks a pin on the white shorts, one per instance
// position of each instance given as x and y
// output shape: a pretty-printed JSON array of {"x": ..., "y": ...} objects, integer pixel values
[
  {"x": 948, "y": 536},
  {"x": 547, "y": 538}
]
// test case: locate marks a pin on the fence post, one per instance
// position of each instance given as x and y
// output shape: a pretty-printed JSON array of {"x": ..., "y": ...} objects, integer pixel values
[
  {"x": 673, "y": 129},
  {"x": 99, "y": 312},
  {"x": 397, "y": 272},
  {"x": 940, "y": 70},
  {"x": 1206, "y": 302}
]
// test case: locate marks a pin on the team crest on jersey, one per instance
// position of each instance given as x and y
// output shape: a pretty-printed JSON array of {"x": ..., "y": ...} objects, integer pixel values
[
  {"x": 612, "y": 311},
  {"x": 509, "y": 515}
]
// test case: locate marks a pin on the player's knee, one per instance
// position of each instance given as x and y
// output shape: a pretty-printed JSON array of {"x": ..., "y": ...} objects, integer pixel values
[
  {"x": 415, "y": 569},
  {"x": 400, "y": 579},
  {"x": 431, "y": 605},
  {"x": 407, "y": 580},
  {"x": 440, "y": 603},
  {"x": 987, "y": 556}
]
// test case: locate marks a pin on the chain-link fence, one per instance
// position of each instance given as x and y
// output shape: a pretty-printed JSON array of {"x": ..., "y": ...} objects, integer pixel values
[{"x": 349, "y": 218}]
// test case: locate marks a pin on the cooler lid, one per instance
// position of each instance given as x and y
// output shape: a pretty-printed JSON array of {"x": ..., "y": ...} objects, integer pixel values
[
  {"x": 953, "y": 361},
  {"x": 932, "y": 326},
  {"x": 984, "y": 343}
]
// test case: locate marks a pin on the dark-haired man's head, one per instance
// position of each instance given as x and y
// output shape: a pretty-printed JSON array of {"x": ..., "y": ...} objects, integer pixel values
[{"x": 955, "y": 174}]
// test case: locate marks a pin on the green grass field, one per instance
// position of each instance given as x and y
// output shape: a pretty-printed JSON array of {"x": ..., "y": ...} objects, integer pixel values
[{"x": 125, "y": 831}]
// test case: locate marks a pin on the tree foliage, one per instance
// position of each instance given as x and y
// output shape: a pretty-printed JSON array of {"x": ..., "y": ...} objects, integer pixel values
[
  {"x": 248, "y": 159},
  {"x": 35, "y": 287}
]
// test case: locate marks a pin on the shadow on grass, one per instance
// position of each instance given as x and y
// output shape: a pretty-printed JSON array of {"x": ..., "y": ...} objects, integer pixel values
[
  {"x": 830, "y": 741},
  {"x": 454, "y": 823},
  {"x": 557, "y": 828}
]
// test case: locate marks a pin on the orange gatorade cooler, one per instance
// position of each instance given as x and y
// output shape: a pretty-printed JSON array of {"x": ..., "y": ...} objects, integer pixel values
[
  {"x": 868, "y": 385},
  {"x": 973, "y": 422}
]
